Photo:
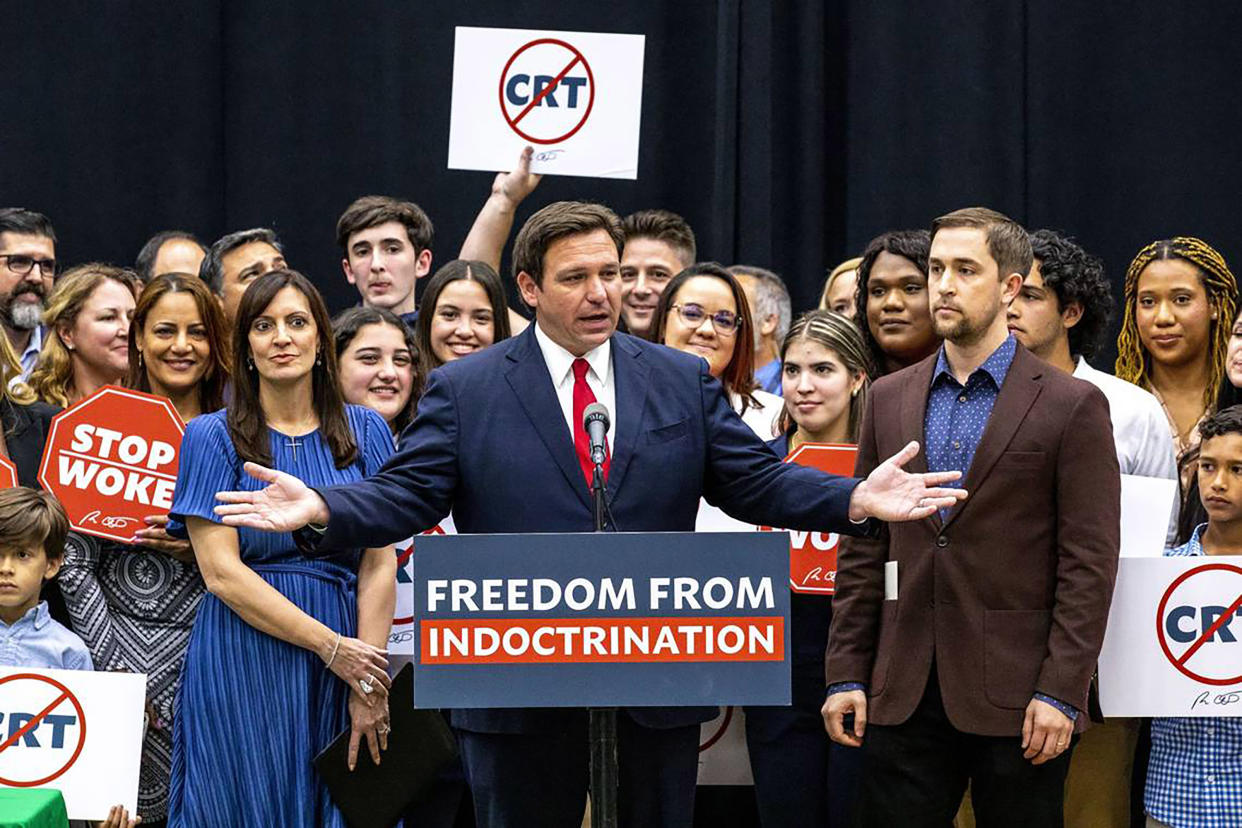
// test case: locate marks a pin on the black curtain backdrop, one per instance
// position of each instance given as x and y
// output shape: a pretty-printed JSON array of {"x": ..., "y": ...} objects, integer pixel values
[{"x": 788, "y": 132}]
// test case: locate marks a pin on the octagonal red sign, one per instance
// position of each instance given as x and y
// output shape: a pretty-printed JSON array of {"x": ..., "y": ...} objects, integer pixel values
[
  {"x": 8, "y": 474},
  {"x": 111, "y": 460}
]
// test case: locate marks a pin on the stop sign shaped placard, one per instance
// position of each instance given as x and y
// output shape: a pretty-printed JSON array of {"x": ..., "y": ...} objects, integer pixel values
[
  {"x": 8, "y": 474},
  {"x": 111, "y": 460},
  {"x": 813, "y": 555}
]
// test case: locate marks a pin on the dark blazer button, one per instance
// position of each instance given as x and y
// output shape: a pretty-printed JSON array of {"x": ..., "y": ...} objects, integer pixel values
[{"x": 942, "y": 541}]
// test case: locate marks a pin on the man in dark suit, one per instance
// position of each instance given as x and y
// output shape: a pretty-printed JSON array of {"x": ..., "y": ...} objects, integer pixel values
[
  {"x": 498, "y": 440},
  {"x": 972, "y": 660}
]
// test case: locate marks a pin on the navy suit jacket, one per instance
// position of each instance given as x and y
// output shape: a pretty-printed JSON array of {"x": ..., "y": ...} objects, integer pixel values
[{"x": 490, "y": 444}]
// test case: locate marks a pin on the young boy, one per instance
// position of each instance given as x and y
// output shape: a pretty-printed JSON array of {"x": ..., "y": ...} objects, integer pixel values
[
  {"x": 1194, "y": 779},
  {"x": 32, "y": 542}
]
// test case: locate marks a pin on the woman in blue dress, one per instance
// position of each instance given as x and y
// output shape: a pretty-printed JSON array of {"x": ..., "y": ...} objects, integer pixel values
[{"x": 286, "y": 650}]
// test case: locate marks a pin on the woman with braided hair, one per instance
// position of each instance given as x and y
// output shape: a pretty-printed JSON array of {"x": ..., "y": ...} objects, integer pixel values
[{"x": 1180, "y": 302}]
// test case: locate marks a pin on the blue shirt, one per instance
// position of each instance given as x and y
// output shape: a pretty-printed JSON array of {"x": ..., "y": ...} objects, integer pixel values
[
  {"x": 38, "y": 640},
  {"x": 957, "y": 414},
  {"x": 1194, "y": 776},
  {"x": 769, "y": 377}
]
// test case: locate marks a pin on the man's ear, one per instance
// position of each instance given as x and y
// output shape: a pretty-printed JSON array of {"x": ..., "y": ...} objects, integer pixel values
[
  {"x": 423, "y": 265},
  {"x": 1011, "y": 286},
  {"x": 349, "y": 273},
  {"x": 53, "y": 566},
  {"x": 528, "y": 289},
  {"x": 768, "y": 326},
  {"x": 1071, "y": 314}
]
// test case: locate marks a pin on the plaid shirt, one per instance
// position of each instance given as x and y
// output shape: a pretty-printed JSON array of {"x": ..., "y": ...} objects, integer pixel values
[{"x": 1194, "y": 778}]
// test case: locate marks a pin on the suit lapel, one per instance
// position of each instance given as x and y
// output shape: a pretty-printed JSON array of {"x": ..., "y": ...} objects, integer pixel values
[
  {"x": 1015, "y": 399},
  {"x": 631, "y": 384},
  {"x": 528, "y": 377},
  {"x": 913, "y": 414}
]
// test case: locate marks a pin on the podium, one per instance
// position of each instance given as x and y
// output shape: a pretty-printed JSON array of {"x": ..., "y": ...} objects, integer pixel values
[{"x": 625, "y": 619}]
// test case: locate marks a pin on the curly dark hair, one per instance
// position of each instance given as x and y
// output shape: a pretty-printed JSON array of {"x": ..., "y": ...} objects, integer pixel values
[
  {"x": 1074, "y": 275},
  {"x": 912, "y": 245}
]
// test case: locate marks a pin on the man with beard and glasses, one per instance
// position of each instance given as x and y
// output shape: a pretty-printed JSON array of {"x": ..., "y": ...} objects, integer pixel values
[
  {"x": 963, "y": 644},
  {"x": 27, "y": 268}
]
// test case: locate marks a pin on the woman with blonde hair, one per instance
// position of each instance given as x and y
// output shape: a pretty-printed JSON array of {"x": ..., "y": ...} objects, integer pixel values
[
  {"x": 1180, "y": 303},
  {"x": 87, "y": 317},
  {"x": 840, "y": 288}
]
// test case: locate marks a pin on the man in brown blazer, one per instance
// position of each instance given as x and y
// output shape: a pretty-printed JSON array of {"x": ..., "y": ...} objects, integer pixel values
[{"x": 972, "y": 661}]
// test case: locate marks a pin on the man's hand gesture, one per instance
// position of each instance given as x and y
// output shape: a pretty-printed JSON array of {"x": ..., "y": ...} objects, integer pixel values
[
  {"x": 893, "y": 494},
  {"x": 285, "y": 504}
]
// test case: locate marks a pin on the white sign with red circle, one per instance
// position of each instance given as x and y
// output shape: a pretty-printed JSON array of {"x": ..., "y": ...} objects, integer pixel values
[
  {"x": 8, "y": 474},
  {"x": 1174, "y": 641},
  {"x": 46, "y": 742},
  {"x": 576, "y": 97},
  {"x": 111, "y": 460},
  {"x": 401, "y": 636}
]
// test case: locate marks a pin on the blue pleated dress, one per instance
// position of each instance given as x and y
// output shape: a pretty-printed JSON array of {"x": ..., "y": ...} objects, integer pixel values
[{"x": 252, "y": 710}]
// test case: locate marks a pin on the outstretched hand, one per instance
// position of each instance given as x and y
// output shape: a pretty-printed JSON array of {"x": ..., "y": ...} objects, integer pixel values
[
  {"x": 893, "y": 494},
  {"x": 515, "y": 186},
  {"x": 283, "y": 505}
]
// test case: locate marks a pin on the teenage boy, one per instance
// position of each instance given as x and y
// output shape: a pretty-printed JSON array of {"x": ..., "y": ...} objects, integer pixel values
[
  {"x": 32, "y": 542},
  {"x": 1194, "y": 777}
]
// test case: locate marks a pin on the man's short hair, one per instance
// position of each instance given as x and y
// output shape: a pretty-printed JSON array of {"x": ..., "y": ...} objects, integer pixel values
[
  {"x": 374, "y": 210},
  {"x": 1225, "y": 421},
  {"x": 1008, "y": 242},
  {"x": 556, "y": 221},
  {"x": 145, "y": 263},
  {"x": 1074, "y": 275},
  {"x": 665, "y": 226},
  {"x": 26, "y": 223},
  {"x": 30, "y": 518},
  {"x": 211, "y": 270},
  {"x": 771, "y": 296}
]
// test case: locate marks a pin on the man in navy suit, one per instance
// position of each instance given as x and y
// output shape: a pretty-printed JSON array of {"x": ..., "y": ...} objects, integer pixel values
[{"x": 498, "y": 441}]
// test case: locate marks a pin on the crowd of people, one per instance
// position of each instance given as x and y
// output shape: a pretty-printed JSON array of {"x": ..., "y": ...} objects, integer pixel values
[{"x": 259, "y": 608}]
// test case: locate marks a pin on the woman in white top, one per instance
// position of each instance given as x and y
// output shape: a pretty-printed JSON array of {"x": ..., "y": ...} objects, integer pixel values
[{"x": 703, "y": 311}]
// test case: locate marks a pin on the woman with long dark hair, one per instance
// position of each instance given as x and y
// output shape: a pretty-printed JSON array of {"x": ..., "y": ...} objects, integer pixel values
[
  {"x": 464, "y": 310},
  {"x": 134, "y": 605},
  {"x": 293, "y": 642}
]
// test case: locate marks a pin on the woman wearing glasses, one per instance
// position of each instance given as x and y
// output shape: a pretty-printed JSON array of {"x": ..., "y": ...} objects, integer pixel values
[{"x": 703, "y": 311}]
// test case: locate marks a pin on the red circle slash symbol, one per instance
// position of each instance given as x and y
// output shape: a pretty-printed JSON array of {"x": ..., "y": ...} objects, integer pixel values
[
  {"x": 61, "y": 694},
  {"x": 1180, "y": 661},
  {"x": 574, "y": 58}
]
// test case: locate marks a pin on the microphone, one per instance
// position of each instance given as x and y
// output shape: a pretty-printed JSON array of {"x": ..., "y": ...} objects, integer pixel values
[{"x": 595, "y": 424}]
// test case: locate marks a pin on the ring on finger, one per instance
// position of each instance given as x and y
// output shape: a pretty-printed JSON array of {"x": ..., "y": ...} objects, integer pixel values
[{"x": 365, "y": 686}]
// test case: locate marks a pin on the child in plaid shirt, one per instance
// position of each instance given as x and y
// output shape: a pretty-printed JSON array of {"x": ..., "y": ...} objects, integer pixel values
[{"x": 1194, "y": 778}]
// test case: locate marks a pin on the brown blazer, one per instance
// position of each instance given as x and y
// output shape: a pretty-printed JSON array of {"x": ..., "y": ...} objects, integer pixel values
[{"x": 1010, "y": 594}]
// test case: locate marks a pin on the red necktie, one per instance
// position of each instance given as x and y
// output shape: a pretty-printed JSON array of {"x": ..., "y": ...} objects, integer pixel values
[{"x": 584, "y": 396}]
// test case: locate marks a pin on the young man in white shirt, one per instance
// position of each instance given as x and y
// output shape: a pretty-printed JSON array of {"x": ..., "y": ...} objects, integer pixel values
[{"x": 1060, "y": 315}]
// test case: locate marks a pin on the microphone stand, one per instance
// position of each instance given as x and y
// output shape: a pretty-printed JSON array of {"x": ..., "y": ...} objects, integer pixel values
[{"x": 603, "y": 720}]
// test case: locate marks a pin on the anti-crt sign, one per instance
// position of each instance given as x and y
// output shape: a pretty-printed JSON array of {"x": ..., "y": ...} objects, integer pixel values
[
  {"x": 576, "y": 97},
  {"x": 75, "y": 731},
  {"x": 111, "y": 460},
  {"x": 813, "y": 555},
  {"x": 1174, "y": 641}
]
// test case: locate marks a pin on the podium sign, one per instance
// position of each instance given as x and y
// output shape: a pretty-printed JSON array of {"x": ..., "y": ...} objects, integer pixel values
[{"x": 602, "y": 620}]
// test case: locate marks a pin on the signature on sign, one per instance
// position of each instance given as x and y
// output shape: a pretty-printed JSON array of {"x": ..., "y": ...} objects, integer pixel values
[
  {"x": 547, "y": 155},
  {"x": 107, "y": 522},
  {"x": 819, "y": 575},
  {"x": 398, "y": 637},
  {"x": 1207, "y": 698}
]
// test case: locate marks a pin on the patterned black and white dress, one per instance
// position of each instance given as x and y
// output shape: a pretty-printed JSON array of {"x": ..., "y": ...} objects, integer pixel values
[{"x": 134, "y": 608}]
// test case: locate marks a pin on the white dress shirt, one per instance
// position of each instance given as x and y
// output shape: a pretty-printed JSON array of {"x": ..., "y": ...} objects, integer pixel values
[
  {"x": 1140, "y": 429},
  {"x": 600, "y": 378}
]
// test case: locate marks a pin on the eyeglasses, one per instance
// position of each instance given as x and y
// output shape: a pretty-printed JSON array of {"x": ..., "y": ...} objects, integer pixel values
[
  {"x": 725, "y": 322},
  {"x": 21, "y": 265}
]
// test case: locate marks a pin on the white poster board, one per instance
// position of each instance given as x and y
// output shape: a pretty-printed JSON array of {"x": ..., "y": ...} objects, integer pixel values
[
  {"x": 1173, "y": 646},
  {"x": 76, "y": 731},
  {"x": 723, "y": 756},
  {"x": 576, "y": 97},
  {"x": 401, "y": 635},
  {"x": 1146, "y": 508}
]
